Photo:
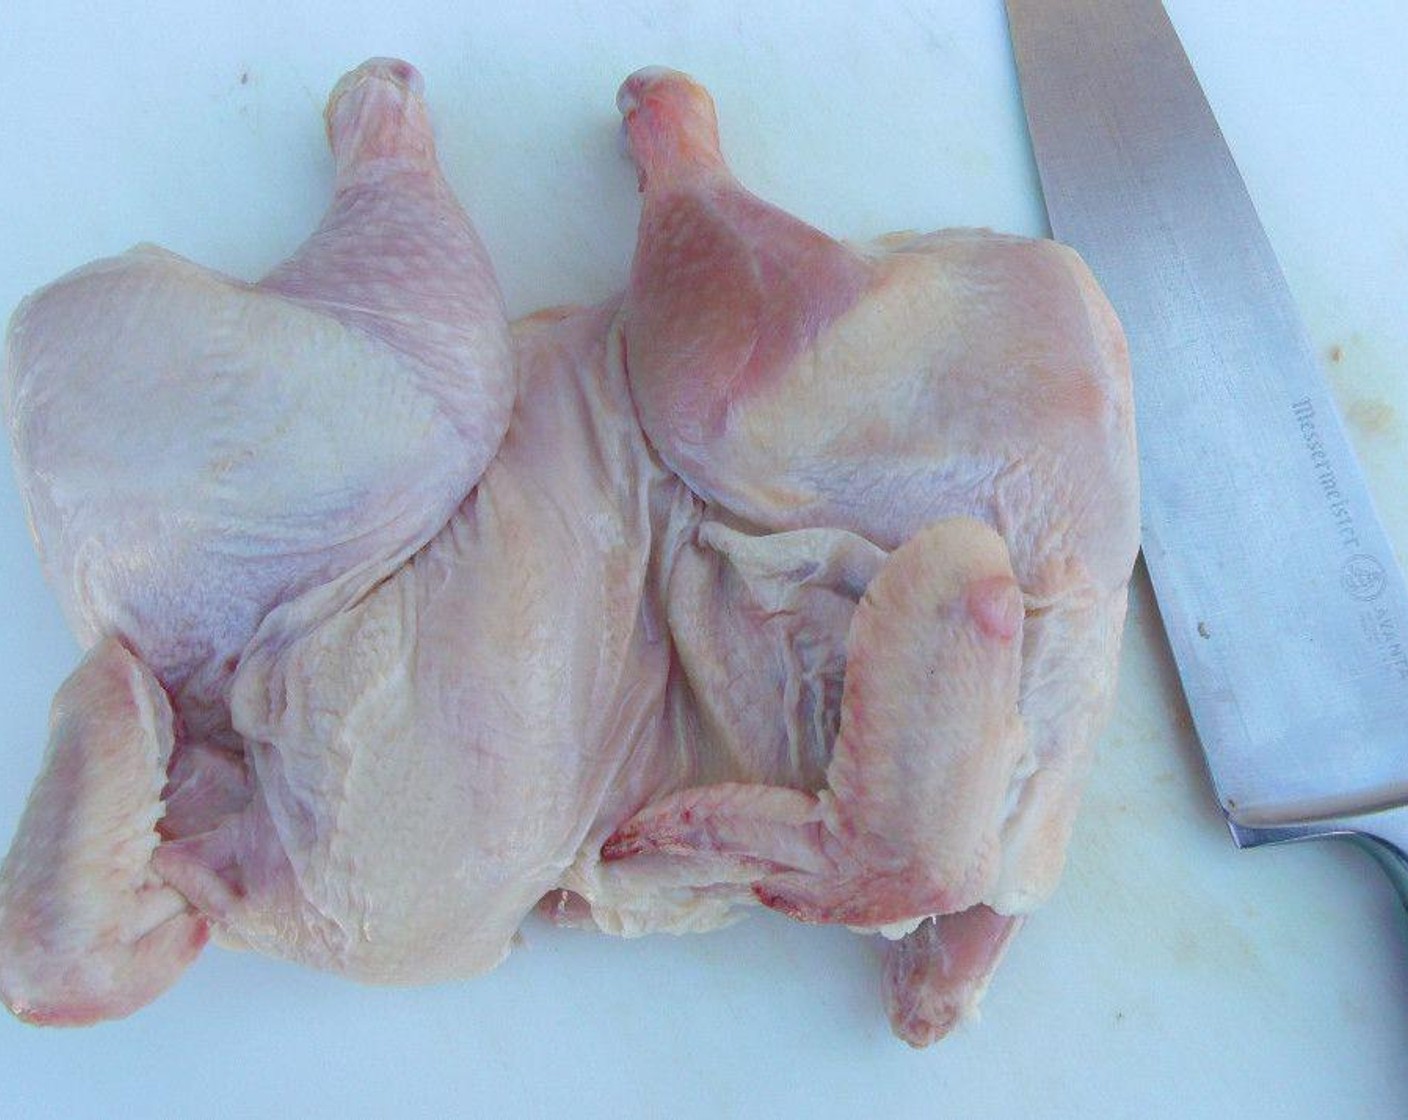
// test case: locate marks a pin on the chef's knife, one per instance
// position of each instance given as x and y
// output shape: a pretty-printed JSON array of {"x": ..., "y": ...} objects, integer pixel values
[{"x": 1283, "y": 604}]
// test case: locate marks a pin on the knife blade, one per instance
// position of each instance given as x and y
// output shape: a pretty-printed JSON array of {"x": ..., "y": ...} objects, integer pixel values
[{"x": 1284, "y": 606}]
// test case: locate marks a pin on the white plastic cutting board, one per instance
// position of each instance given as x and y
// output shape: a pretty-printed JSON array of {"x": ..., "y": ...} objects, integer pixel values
[{"x": 1171, "y": 977}]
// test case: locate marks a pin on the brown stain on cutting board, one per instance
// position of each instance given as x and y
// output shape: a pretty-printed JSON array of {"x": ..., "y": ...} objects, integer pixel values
[
  {"x": 1371, "y": 416},
  {"x": 1367, "y": 414}
]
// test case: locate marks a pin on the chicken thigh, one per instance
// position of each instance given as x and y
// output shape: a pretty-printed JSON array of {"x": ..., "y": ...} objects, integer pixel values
[
  {"x": 795, "y": 381},
  {"x": 262, "y": 439}
]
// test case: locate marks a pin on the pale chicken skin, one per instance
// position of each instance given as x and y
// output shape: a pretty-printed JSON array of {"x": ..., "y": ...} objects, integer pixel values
[
  {"x": 793, "y": 576},
  {"x": 429, "y": 759}
]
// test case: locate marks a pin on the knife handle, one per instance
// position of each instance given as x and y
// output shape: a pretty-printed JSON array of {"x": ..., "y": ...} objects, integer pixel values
[{"x": 1384, "y": 835}]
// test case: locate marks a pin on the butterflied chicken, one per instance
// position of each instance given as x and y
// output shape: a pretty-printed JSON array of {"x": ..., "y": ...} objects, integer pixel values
[{"x": 793, "y": 576}]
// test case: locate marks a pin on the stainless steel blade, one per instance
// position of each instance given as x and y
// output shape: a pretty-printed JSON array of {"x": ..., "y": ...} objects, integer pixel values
[{"x": 1284, "y": 606}]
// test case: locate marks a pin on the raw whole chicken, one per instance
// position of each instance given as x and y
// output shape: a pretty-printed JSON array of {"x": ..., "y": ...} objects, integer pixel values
[{"x": 792, "y": 576}]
